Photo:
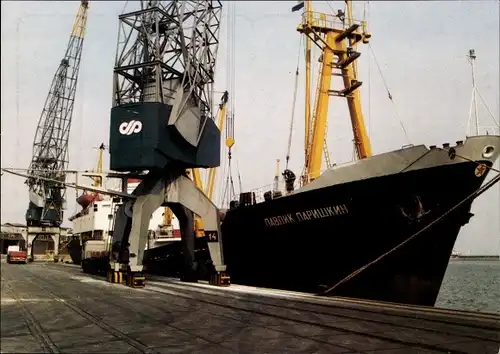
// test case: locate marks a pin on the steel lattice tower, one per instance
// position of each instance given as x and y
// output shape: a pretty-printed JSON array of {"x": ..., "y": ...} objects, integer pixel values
[
  {"x": 166, "y": 53},
  {"x": 50, "y": 146}
]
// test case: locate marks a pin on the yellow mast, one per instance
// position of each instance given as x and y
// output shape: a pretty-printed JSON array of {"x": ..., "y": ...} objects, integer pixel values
[
  {"x": 209, "y": 191},
  {"x": 307, "y": 104},
  {"x": 337, "y": 40},
  {"x": 361, "y": 140}
]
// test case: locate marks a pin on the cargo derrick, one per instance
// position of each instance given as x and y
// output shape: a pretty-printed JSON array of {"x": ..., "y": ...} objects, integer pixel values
[
  {"x": 162, "y": 122},
  {"x": 336, "y": 37},
  {"x": 47, "y": 197}
]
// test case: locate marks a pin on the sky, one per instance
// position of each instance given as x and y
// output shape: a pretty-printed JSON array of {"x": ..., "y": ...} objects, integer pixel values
[{"x": 420, "y": 48}]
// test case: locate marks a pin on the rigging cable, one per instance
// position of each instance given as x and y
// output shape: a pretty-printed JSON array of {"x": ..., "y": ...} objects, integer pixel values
[
  {"x": 294, "y": 103},
  {"x": 330, "y": 6},
  {"x": 389, "y": 93},
  {"x": 487, "y": 107},
  {"x": 473, "y": 195},
  {"x": 229, "y": 189},
  {"x": 366, "y": 18},
  {"x": 124, "y": 7},
  {"x": 239, "y": 176}
]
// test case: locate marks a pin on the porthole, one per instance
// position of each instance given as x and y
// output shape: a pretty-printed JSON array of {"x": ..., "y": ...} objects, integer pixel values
[{"x": 488, "y": 151}]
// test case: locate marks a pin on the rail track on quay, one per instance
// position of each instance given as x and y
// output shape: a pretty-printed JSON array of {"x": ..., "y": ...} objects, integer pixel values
[{"x": 170, "y": 316}]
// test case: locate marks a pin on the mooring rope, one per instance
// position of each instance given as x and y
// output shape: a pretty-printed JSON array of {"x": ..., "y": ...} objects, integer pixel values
[{"x": 474, "y": 195}]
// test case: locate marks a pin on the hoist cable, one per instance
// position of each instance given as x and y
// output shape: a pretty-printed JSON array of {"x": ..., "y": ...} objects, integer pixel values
[
  {"x": 232, "y": 191},
  {"x": 239, "y": 176},
  {"x": 293, "y": 104}
]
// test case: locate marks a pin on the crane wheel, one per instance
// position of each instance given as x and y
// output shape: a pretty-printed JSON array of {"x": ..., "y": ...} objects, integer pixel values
[
  {"x": 115, "y": 277},
  {"x": 220, "y": 279},
  {"x": 135, "y": 280}
]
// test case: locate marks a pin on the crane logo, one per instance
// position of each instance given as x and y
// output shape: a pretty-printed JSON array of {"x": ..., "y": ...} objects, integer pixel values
[{"x": 132, "y": 127}]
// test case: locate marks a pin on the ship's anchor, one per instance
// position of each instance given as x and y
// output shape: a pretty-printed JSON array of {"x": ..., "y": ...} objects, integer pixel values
[{"x": 415, "y": 210}]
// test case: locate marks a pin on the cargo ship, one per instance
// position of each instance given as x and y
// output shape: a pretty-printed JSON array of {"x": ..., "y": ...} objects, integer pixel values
[{"x": 381, "y": 227}]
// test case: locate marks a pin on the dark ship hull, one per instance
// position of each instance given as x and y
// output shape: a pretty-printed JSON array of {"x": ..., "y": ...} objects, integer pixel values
[
  {"x": 75, "y": 251},
  {"x": 316, "y": 236}
]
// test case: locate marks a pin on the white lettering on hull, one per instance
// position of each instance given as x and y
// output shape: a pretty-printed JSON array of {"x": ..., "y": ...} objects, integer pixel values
[{"x": 300, "y": 216}]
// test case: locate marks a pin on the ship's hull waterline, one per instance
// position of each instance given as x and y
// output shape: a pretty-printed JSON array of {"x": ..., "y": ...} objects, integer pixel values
[{"x": 316, "y": 236}]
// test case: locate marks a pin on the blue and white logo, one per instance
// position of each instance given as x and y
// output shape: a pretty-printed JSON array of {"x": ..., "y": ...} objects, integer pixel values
[{"x": 132, "y": 127}]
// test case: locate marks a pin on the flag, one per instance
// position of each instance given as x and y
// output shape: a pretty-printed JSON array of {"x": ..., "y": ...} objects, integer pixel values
[{"x": 299, "y": 6}]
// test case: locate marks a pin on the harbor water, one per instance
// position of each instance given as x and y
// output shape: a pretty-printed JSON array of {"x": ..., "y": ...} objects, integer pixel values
[{"x": 471, "y": 286}]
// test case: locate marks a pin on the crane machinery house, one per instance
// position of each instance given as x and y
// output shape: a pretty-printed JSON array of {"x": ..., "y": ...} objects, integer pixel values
[{"x": 142, "y": 139}]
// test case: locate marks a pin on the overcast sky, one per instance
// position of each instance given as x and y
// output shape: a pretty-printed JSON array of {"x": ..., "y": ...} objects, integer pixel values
[{"x": 421, "y": 48}]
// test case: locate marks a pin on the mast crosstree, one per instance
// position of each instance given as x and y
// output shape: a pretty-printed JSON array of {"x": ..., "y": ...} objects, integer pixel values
[{"x": 337, "y": 37}]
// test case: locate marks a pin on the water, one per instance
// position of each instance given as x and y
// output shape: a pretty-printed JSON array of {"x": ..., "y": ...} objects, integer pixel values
[{"x": 471, "y": 286}]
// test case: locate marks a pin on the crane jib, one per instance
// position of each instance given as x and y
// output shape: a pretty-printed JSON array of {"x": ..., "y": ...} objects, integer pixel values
[{"x": 50, "y": 145}]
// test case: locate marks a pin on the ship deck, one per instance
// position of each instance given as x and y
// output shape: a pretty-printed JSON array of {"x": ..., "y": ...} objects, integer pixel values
[{"x": 47, "y": 307}]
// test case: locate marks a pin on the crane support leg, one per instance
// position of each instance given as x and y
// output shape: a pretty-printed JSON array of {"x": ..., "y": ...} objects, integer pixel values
[
  {"x": 150, "y": 196},
  {"x": 29, "y": 245},
  {"x": 181, "y": 194},
  {"x": 184, "y": 192},
  {"x": 56, "y": 239},
  {"x": 186, "y": 224},
  {"x": 33, "y": 232}
]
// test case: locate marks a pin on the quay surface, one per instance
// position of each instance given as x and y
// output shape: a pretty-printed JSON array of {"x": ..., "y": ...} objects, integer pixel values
[{"x": 55, "y": 308}]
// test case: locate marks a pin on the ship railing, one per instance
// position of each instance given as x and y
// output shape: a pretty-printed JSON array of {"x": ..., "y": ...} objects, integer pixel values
[
  {"x": 489, "y": 129},
  {"x": 163, "y": 237},
  {"x": 260, "y": 191},
  {"x": 326, "y": 21}
]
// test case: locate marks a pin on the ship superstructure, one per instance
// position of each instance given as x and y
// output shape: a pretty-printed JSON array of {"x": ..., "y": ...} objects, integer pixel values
[{"x": 95, "y": 220}]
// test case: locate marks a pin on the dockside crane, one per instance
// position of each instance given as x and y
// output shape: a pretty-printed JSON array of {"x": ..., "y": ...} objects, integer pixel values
[
  {"x": 162, "y": 125},
  {"x": 47, "y": 200}
]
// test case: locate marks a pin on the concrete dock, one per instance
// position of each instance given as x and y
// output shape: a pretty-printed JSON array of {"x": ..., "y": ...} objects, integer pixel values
[{"x": 55, "y": 308}]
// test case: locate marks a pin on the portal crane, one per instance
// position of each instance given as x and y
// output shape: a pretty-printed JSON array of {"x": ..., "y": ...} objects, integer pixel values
[
  {"x": 47, "y": 200},
  {"x": 162, "y": 123},
  {"x": 337, "y": 37}
]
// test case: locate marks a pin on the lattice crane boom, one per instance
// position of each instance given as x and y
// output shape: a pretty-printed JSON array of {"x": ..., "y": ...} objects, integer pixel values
[
  {"x": 166, "y": 54},
  {"x": 50, "y": 145}
]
